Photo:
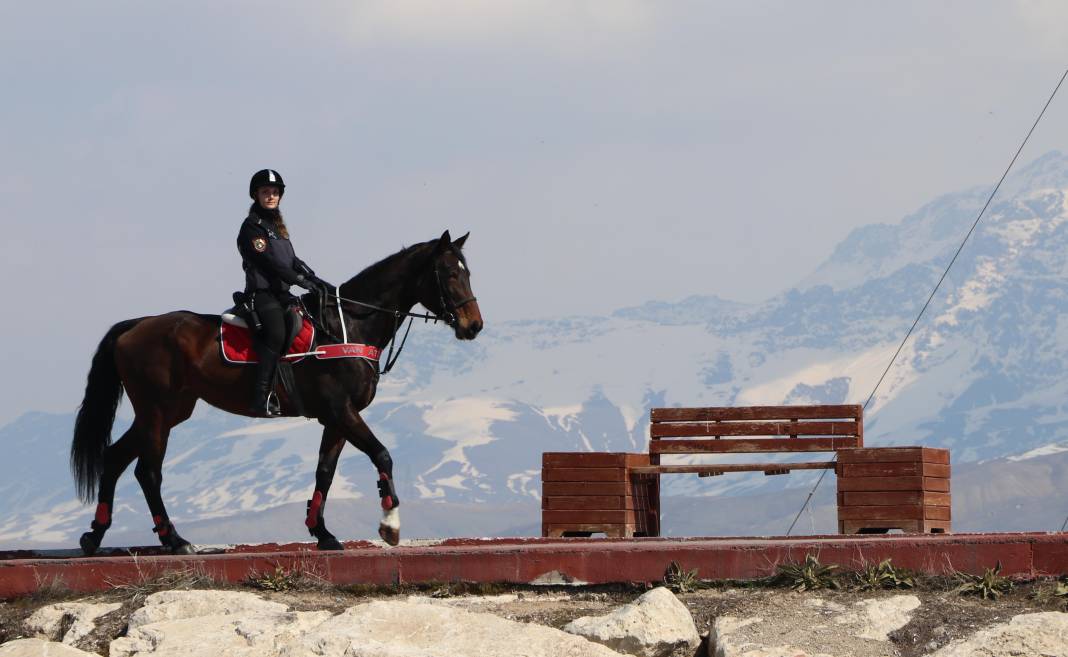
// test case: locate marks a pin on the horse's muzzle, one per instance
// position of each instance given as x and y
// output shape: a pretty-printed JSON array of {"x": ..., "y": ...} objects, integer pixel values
[{"x": 468, "y": 321}]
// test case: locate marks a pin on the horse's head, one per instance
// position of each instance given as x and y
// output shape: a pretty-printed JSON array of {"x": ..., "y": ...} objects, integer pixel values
[{"x": 446, "y": 289}]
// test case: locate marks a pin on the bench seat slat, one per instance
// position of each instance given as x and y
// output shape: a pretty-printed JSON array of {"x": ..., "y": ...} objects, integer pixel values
[
  {"x": 732, "y": 467},
  {"x": 709, "y": 414},
  {"x": 751, "y": 446},
  {"x": 686, "y": 429}
]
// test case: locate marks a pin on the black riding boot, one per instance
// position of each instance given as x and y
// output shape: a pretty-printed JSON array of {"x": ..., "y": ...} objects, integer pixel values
[{"x": 264, "y": 402}]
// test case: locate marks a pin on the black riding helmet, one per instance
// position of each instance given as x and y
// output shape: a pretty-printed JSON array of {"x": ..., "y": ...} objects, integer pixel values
[{"x": 265, "y": 177}]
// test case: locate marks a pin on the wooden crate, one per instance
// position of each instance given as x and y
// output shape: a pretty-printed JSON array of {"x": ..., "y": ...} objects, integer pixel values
[
  {"x": 585, "y": 493},
  {"x": 884, "y": 488}
]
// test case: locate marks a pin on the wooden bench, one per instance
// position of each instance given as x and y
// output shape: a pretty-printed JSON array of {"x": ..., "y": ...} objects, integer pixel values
[{"x": 879, "y": 489}]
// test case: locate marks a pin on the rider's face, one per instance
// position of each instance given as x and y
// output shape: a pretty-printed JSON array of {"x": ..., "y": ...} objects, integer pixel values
[{"x": 268, "y": 196}]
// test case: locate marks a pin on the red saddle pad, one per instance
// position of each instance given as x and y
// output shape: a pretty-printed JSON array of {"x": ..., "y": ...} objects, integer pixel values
[{"x": 237, "y": 347}]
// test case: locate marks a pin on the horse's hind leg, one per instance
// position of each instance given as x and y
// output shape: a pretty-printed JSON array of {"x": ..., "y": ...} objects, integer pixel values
[
  {"x": 329, "y": 452},
  {"x": 117, "y": 457},
  {"x": 149, "y": 473}
]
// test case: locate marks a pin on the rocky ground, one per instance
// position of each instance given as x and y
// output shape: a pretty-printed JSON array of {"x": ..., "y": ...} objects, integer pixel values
[{"x": 285, "y": 614}]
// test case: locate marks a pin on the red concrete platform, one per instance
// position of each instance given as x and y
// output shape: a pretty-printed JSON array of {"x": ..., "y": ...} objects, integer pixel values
[{"x": 548, "y": 560}]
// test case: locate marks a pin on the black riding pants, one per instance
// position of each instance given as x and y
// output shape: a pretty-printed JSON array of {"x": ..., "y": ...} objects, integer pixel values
[{"x": 278, "y": 324}]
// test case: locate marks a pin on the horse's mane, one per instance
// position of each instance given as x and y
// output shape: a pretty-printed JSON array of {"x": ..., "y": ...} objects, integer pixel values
[{"x": 380, "y": 272}]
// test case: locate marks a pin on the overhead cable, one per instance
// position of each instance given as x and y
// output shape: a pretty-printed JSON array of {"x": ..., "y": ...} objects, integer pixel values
[{"x": 939, "y": 284}]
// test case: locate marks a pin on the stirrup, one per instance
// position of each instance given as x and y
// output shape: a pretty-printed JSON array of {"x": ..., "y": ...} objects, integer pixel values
[
  {"x": 269, "y": 408},
  {"x": 274, "y": 407}
]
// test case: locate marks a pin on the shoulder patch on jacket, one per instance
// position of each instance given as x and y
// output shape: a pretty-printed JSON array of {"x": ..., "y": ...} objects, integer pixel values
[{"x": 259, "y": 244}]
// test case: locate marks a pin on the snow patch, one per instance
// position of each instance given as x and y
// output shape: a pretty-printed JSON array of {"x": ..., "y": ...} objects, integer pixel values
[
  {"x": 455, "y": 481},
  {"x": 518, "y": 483},
  {"x": 465, "y": 422},
  {"x": 1045, "y": 450},
  {"x": 269, "y": 426}
]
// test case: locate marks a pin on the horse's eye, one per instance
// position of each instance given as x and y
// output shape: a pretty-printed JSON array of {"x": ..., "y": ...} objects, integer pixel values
[{"x": 461, "y": 263}]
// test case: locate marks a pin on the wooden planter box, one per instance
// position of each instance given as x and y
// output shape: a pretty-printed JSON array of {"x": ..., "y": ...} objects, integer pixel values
[
  {"x": 584, "y": 493},
  {"x": 884, "y": 488}
]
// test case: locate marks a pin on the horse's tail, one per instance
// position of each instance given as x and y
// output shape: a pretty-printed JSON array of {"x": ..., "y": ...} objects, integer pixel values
[{"x": 92, "y": 428}]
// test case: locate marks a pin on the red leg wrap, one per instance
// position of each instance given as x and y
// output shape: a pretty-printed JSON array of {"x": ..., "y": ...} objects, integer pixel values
[
  {"x": 387, "y": 499},
  {"x": 314, "y": 506},
  {"x": 162, "y": 528},
  {"x": 103, "y": 514}
]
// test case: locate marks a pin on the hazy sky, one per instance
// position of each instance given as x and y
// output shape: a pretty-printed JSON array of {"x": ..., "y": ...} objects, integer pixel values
[{"x": 602, "y": 153}]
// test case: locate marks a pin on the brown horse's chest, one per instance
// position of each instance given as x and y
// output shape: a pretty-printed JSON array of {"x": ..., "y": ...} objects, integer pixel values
[
  {"x": 359, "y": 383},
  {"x": 363, "y": 398}
]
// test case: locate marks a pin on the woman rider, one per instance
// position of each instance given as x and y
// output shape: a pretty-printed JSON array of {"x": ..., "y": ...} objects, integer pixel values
[{"x": 271, "y": 267}]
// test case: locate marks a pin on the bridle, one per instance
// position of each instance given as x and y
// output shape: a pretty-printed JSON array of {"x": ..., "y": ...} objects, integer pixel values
[{"x": 447, "y": 316}]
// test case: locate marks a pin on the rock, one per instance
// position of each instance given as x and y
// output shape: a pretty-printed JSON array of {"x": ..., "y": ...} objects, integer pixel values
[
  {"x": 1044, "y": 634},
  {"x": 722, "y": 644},
  {"x": 814, "y": 627},
  {"x": 556, "y": 578},
  {"x": 875, "y": 619},
  {"x": 40, "y": 648},
  {"x": 177, "y": 605},
  {"x": 654, "y": 625},
  {"x": 413, "y": 629},
  {"x": 246, "y": 634},
  {"x": 192, "y": 624},
  {"x": 68, "y": 621},
  {"x": 466, "y": 601}
]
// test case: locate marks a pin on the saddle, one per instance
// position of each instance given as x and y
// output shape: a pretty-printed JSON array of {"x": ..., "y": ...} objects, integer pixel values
[{"x": 237, "y": 341}]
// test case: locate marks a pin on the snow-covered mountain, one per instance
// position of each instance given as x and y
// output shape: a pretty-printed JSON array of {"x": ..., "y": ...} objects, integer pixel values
[{"x": 984, "y": 375}]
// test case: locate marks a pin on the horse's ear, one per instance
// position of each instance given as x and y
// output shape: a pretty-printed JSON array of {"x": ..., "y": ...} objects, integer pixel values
[
  {"x": 460, "y": 242},
  {"x": 443, "y": 242}
]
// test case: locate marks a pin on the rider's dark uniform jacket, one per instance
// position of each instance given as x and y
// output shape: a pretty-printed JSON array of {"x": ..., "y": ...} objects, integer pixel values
[{"x": 268, "y": 258}]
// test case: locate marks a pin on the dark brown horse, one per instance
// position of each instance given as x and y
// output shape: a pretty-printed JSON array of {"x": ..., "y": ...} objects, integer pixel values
[{"x": 167, "y": 362}]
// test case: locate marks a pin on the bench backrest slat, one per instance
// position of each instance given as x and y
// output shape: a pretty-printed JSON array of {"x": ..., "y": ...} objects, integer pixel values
[
  {"x": 726, "y": 413},
  {"x": 777, "y": 428},
  {"x": 753, "y": 429},
  {"x": 751, "y": 445}
]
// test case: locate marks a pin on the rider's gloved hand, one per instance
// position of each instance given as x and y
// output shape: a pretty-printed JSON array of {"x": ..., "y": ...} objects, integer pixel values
[
  {"x": 310, "y": 282},
  {"x": 317, "y": 286}
]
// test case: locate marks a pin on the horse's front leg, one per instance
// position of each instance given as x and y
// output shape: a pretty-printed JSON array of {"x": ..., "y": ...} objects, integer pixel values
[
  {"x": 329, "y": 452},
  {"x": 360, "y": 435}
]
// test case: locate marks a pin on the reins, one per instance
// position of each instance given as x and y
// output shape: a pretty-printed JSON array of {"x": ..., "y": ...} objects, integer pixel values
[
  {"x": 398, "y": 317},
  {"x": 391, "y": 359},
  {"x": 426, "y": 317}
]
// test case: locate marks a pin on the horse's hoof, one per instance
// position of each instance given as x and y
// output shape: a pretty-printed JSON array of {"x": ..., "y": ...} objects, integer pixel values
[
  {"x": 389, "y": 534},
  {"x": 89, "y": 544},
  {"x": 329, "y": 543}
]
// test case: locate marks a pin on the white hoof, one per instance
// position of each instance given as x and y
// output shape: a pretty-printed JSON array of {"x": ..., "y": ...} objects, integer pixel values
[{"x": 389, "y": 528}]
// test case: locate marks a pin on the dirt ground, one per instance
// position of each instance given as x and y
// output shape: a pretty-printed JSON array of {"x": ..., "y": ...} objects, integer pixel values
[{"x": 945, "y": 615}]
